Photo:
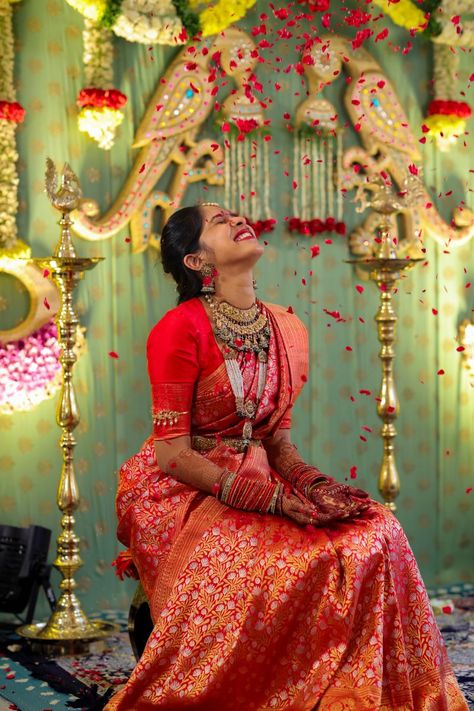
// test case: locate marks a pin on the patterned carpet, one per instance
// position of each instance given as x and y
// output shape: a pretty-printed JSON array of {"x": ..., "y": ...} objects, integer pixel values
[{"x": 30, "y": 683}]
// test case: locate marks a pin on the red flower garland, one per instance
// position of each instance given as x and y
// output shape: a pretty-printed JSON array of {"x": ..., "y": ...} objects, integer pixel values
[
  {"x": 449, "y": 108},
  {"x": 316, "y": 226},
  {"x": 261, "y": 226},
  {"x": 12, "y": 111},
  {"x": 101, "y": 98}
]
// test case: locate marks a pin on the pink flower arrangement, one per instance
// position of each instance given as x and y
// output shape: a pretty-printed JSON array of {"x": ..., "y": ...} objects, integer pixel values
[{"x": 31, "y": 369}]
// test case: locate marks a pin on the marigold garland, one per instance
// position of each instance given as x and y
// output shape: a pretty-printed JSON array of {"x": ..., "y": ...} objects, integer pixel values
[
  {"x": 219, "y": 15},
  {"x": 403, "y": 13}
]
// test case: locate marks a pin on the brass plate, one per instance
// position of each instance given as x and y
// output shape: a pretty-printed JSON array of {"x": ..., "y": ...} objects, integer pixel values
[{"x": 91, "y": 642}]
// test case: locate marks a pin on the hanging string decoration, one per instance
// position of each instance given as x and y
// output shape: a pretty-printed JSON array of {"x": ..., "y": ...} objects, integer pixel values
[
  {"x": 246, "y": 166},
  {"x": 317, "y": 156}
]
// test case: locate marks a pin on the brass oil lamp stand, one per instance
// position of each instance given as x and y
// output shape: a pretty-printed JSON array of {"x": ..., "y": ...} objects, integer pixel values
[
  {"x": 385, "y": 269},
  {"x": 68, "y": 630}
]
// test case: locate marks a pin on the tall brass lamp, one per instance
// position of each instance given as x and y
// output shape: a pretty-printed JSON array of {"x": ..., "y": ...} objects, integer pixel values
[
  {"x": 68, "y": 629},
  {"x": 385, "y": 269}
]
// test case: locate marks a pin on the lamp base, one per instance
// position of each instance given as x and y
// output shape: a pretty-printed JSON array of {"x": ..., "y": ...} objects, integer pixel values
[{"x": 92, "y": 642}]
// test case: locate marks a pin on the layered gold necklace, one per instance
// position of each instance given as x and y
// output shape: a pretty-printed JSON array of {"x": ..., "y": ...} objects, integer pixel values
[{"x": 242, "y": 330}]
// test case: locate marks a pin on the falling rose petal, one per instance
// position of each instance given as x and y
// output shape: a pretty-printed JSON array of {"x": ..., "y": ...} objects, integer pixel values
[
  {"x": 113, "y": 354},
  {"x": 357, "y": 127},
  {"x": 390, "y": 409},
  {"x": 362, "y": 438},
  {"x": 196, "y": 91},
  {"x": 295, "y": 184},
  {"x": 422, "y": 140},
  {"x": 158, "y": 107},
  {"x": 46, "y": 303},
  {"x": 45, "y": 273},
  {"x": 304, "y": 378},
  {"x": 290, "y": 310},
  {"x": 440, "y": 372},
  {"x": 225, "y": 127},
  {"x": 128, "y": 240},
  {"x": 381, "y": 84},
  {"x": 460, "y": 349},
  {"x": 348, "y": 348},
  {"x": 142, "y": 168},
  {"x": 366, "y": 428},
  {"x": 364, "y": 392},
  {"x": 425, "y": 128},
  {"x": 360, "y": 288},
  {"x": 434, "y": 312},
  {"x": 469, "y": 489},
  {"x": 353, "y": 472},
  {"x": 382, "y": 35},
  {"x": 315, "y": 250},
  {"x": 413, "y": 169}
]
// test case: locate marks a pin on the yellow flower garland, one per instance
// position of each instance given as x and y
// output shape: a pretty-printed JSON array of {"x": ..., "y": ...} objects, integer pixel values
[
  {"x": 92, "y": 9},
  {"x": 449, "y": 126},
  {"x": 220, "y": 15},
  {"x": 403, "y": 13}
]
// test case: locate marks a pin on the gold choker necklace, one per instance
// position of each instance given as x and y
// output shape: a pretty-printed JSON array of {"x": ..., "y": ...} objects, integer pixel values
[{"x": 240, "y": 329}]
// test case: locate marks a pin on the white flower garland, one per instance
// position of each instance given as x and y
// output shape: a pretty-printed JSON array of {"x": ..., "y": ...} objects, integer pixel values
[
  {"x": 98, "y": 55},
  {"x": 148, "y": 22},
  {"x": 8, "y": 154}
]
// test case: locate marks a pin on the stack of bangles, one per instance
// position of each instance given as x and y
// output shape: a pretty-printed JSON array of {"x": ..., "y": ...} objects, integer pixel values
[
  {"x": 249, "y": 495},
  {"x": 305, "y": 478}
]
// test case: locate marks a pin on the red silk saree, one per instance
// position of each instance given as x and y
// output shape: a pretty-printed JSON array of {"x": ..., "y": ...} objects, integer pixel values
[{"x": 253, "y": 612}]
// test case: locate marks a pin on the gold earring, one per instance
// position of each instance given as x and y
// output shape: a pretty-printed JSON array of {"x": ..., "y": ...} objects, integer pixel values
[{"x": 207, "y": 274}]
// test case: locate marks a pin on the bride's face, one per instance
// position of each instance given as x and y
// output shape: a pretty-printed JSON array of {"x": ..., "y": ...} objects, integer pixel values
[{"x": 227, "y": 237}]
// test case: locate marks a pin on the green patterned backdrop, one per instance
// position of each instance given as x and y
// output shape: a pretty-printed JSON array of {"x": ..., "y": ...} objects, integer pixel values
[{"x": 124, "y": 296}]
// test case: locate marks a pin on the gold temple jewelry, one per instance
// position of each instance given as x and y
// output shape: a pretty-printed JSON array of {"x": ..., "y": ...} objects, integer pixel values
[
  {"x": 205, "y": 444},
  {"x": 68, "y": 630},
  {"x": 167, "y": 417},
  {"x": 385, "y": 269}
]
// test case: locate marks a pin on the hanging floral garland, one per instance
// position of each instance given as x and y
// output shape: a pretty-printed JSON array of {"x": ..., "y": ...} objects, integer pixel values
[
  {"x": 99, "y": 103},
  {"x": 11, "y": 114},
  {"x": 439, "y": 21}
]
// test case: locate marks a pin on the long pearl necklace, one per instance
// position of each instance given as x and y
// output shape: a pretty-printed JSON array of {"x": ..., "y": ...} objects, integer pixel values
[{"x": 242, "y": 330}]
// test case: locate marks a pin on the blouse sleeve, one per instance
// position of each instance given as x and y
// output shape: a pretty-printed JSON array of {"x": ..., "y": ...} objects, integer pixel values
[{"x": 173, "y": 367}]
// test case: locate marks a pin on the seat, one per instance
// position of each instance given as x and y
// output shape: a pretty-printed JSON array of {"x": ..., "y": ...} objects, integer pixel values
[{"x": 140, "y": 624}]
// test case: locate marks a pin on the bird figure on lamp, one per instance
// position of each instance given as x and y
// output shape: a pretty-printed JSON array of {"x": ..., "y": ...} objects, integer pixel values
[{"x": 69, "y": 194}]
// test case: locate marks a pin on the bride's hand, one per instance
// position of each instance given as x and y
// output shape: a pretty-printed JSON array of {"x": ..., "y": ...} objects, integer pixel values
[{"x": 299, "y": 511}]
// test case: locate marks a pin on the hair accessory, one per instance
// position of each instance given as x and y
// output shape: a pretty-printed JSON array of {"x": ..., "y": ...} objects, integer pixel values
[{"x": 207, "y": 273}]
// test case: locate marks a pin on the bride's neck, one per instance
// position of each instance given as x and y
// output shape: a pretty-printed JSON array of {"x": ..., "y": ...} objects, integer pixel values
[{"x": 241, "y": 295}]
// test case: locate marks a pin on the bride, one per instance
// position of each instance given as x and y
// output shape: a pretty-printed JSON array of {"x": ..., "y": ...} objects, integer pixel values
[{"x": 271, "y": 585}]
